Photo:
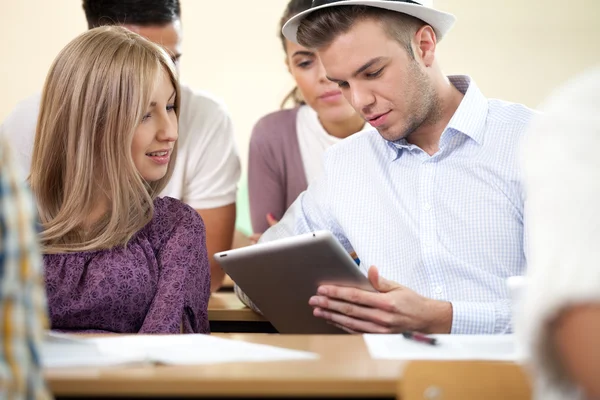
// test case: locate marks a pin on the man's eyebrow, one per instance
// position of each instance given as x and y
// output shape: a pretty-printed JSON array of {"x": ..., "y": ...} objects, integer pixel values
[
  {"x": 366, "y": 66},
  {"x": 303, "y": 53}
]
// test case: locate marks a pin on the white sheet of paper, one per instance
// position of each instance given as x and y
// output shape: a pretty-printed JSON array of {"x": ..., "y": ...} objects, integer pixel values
[
  {"x": 448, "y": 347},
  {"x": 69, "y": 351},
  {"x": 196, "y": 349}
]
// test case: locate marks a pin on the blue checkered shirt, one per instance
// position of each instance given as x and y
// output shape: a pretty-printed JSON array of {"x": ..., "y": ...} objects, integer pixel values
[{"x": 449, "y": 226}]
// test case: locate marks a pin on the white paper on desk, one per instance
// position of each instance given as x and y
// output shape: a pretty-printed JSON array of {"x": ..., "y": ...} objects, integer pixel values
[
  {"x": 449, "y": 347},
  {"x": 197, "y": 349},
  {"x": 69, "y": 351}
]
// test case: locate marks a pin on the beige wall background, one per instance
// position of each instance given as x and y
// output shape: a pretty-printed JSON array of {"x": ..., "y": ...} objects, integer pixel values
[{"x": 517, "y": 50}]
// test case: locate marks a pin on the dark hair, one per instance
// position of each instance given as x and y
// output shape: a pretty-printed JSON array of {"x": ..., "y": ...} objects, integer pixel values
[
  {"x": 294, "y": 7},
  {"x": 320, "y": 28},
  {"x": 136, "y": 12}
]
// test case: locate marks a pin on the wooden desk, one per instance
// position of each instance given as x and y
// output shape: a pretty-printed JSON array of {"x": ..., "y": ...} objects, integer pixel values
[
  {"x": 225, "y": 306},
  {"x": 227, "y": 313},
  {"x": 227, "y": 284},
  {"x": 344, "y": 370}
]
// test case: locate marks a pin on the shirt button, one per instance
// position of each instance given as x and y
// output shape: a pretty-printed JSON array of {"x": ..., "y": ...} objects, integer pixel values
[
  {"x": 438, "y": 290},
  {"x": 426, "y": 206}
]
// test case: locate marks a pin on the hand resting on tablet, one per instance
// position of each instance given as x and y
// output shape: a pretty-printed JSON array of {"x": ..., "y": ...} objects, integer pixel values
[{"x": 394, "y": 309}]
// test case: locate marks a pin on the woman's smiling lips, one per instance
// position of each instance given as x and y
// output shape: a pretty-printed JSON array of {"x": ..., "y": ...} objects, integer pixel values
[{"x": 161, "y": 157}]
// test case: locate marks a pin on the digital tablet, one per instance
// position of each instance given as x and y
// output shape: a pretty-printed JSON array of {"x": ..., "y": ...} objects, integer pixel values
[{"x": 281, "y": 276}]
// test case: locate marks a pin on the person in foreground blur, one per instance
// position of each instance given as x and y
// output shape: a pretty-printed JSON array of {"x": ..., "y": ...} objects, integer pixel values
[
  {"x": 23, "y": 313},
  {"x": 432, "y": 200},
  {"x": 207, "y": 170},
  {"x": 287, "y": 146},
  {"x": 562, "y": 306},
  {"x": 118, "y": 258}
]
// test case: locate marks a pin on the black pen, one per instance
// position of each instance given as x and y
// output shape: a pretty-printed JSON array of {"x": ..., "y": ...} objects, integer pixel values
[{"x": 419, "y": 337}]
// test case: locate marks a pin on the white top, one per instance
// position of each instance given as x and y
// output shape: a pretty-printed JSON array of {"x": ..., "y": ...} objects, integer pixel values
[
  {"x": 562, "y": 176},
  {"x": 313, "y": 140},
  {"x": 207, "y": 168}
]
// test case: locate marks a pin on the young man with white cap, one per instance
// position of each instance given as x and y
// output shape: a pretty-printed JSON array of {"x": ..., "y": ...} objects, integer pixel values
[{"x": 433, "y": 198}]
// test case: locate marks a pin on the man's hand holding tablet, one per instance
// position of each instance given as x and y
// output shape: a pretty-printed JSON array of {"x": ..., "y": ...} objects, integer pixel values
[{"x": 394, "y": 309}]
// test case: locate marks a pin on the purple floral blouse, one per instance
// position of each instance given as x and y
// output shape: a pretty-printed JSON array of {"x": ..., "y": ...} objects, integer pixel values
[{"x": 158, "y": 283}]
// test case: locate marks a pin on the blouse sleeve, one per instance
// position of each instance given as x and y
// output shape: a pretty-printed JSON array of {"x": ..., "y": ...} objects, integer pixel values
[
  {"x": 562, "y": 177},
  {"x": 184, "y": 281},
  {"x": 266, "y": 182}
]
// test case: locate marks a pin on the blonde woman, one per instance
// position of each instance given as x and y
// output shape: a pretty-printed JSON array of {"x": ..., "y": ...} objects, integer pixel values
[{"x": 117, "y": 257}]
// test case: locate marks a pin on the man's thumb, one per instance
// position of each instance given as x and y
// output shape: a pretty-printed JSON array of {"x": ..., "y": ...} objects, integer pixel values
[{"x": 379, "y": 282}]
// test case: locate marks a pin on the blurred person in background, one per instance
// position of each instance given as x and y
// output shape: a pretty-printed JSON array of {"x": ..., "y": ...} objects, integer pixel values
[
  {"x": 23, "y": 313},
  {"x": 561, "y": 318}
]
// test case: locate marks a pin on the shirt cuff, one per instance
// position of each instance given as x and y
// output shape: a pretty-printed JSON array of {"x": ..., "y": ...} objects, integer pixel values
[
  {"x": 472, "y": 318},
  {"x": 245, "y": 299}
]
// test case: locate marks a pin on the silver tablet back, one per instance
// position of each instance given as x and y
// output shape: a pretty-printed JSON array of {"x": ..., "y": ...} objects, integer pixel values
[{"x": 281, "y": 276}]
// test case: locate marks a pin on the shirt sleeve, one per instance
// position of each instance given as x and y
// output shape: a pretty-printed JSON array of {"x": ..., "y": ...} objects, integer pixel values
[
  {"x": 481, "y": 318},
  {"x": 213, "y": 162},
  {"x": 19, "y": 130},
  {"x": 266, "y": 187},
  {"x": 310, "y": 212},
  {"x": 562, "y": 168},
  {"x": 245, "y": 299},
  {"x": 184, "y": 280}
]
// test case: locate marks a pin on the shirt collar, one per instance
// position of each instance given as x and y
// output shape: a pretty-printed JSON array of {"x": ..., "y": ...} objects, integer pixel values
[
  {"x": 471, "y": 115},
  {"x": 469, "y": 118}
]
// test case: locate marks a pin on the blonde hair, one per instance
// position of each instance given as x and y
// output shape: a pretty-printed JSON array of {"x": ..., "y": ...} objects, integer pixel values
[{"x": 95, "y": 96}]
